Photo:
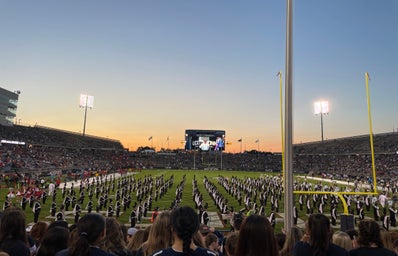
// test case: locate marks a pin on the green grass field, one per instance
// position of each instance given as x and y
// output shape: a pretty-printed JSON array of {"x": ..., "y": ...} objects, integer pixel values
[{"x": 165, "y": 201}]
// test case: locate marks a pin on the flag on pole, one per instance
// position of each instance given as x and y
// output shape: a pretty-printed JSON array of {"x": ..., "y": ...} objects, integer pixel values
[
  {"x": 150, "y": 138},
  {"x": 240, "y": 140}
]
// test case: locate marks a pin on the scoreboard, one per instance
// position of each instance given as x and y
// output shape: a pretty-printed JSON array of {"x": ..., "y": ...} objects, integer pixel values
[{"x": 205, "y": 140}]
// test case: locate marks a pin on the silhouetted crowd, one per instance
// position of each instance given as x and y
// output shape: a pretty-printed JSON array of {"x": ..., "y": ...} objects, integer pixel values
[{"x": 180, "y": 232}]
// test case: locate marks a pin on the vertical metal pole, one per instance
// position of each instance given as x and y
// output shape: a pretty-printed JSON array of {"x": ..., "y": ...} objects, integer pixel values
[
  {"x": 282, "y": 130},
  {"x": 288, "y": 178},
  {"x": 240, "y": 145},
  {"x": 85, "y": 116},
  {"x": 194, "y": 159},
  {"x": 221, "y": 159},
  {"x": 322, "y": 125}
]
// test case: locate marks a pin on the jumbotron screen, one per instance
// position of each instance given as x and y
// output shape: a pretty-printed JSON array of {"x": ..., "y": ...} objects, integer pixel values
[{"x": 205, "y": 140}]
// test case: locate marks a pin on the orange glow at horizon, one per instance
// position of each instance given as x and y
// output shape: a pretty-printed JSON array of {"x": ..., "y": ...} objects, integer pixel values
[{"x": 177, "y": 143}]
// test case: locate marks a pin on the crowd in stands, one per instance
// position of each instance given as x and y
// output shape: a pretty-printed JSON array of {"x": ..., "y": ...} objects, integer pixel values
[
  {"x": 48, "y": 149},
  {"x": 179, "y": 232}
]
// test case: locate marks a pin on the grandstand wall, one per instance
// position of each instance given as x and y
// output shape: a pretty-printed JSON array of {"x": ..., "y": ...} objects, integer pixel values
[{"x": 8, "y": 106}]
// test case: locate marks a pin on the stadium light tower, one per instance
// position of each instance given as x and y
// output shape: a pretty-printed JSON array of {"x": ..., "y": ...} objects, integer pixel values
[
  {"x": 86, "y": 101},
  {"x": 321, "y": 108}
]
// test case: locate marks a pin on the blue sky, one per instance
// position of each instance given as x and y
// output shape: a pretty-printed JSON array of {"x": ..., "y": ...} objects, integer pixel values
[{"x": 156, "y": 68}]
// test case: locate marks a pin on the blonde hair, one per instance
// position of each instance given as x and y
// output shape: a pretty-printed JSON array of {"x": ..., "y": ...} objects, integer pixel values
[
  {"x": 137, "y": 240},
  {"x": 160, "y": 236},
  {"x": 388, "y": 238},
  {"x": 342, "y": 239},
  {"x": 292, "y": 237}
]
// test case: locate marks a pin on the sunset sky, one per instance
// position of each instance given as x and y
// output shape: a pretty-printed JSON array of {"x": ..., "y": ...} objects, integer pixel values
[{"x": 157, "y": 68}]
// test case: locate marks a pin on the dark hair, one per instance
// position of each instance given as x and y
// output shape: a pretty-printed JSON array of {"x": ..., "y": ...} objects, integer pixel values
[
  {"x": 280, "y": 240},
  {"x": 320, "y": 234},
  {"x": 89, "y": 229},
  {"x": 395, "y": 243},
  {"x": 209, "y": 239},
  {"x": 55, "y": 240},
  {"x": 231, "y": 243},
  {"x": 185, "y": 223},
  {"x": 237, "y": 220},
  {"x": 256, "y": 237},
  {"x": 369, "y": 232},
  {"x": 352, "y": 233},
  {"x": 58, "y": 223},
  {"x": 12, "y": 225}
]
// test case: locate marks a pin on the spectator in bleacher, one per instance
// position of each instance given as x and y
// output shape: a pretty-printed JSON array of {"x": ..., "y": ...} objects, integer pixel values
[
  {"x": 230, "y": 244},
  {"x": 211, "y": 242},
  {"x": 130, "y": 234},
  {"x": 388, "y": 238},
  {"x": 353, "y": 233},
  {"x": 113, "y": 241},
  {"x": 90, "y": 231},
  {"x": 205, "y": 230},
  {"x": 198, "y": 239},
  {"x": 369, "y": 240},
  {"x": 293, "y": 236},
  {"x": 13, "y": 239},
  {"x": 184, "y": 224},
  {"x": 160, "y": 236},
  {"x": 317, "y": 239},
  {"x": 280, "y": 238},
  {"x": 256, "y": 237},
  {"x": 38, "y": 231},
  {"x": 342, "y": 239},
  {"x": 55, "y": 240},
  {"x": 136, "y": 242}
]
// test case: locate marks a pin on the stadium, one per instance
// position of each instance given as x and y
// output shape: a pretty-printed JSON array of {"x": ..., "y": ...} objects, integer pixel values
[{"x": 66, "y": 175}]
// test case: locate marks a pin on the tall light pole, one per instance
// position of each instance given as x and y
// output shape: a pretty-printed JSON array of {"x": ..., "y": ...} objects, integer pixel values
[
  {"x": 321, "y": 108},
  {"x": 86, "y": 101},
  {"x": 258, "y": 145}
]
